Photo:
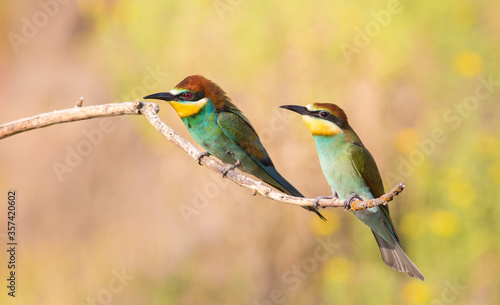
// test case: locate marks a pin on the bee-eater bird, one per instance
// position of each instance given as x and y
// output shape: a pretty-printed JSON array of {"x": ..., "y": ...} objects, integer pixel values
[
  {"x": 352, "y": 173},
  {"x": 222, "y": 129}
]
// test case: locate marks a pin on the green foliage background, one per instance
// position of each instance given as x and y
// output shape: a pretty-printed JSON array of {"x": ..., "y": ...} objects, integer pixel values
[{"x": 409, "y": 74}]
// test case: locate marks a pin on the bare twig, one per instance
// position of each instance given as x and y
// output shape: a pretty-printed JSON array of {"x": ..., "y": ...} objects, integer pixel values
[
  {"x": 80, "y": 102},
  {"x": 68, "y": 115},
  {"x": 150, "y": 111}
]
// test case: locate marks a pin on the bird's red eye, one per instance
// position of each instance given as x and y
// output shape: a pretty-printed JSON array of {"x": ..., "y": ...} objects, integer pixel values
[{"x": 186, "y": 95}]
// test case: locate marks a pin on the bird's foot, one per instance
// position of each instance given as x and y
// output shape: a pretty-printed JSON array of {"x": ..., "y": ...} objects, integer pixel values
[
  {"x": 230, "y": 168},
  {"x": 350, "y": 200},
  {"x": 203, "y": 154},
  {"x": 316, "y": 201}
]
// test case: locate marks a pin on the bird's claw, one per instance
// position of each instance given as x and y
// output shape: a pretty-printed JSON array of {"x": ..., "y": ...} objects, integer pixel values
[
  {"x": 350, "y": 200},
  {"x": 230, "y": 168},
  {"x": 203, "y": 154},
  {"x": 316, "y": 201}
]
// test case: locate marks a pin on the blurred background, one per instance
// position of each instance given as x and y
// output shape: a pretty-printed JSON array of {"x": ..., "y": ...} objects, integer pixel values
[{"x": 109, "y": 212}]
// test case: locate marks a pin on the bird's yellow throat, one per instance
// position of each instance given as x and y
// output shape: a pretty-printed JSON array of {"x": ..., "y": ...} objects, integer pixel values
[
  {"x": 188, "y": 109},
  {"x": 321, "y": 127}
]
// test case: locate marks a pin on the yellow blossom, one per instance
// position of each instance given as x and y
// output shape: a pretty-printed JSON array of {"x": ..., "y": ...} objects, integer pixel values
[
  {"x": 469, "y": 64},
  {"x": 443, "y": 223},
  {"x": 415, "y": 293}
]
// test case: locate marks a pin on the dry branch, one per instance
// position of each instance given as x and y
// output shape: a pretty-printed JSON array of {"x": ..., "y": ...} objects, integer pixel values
[
  {"x": 150, "y": 111},
  {"x": 68, "y": 115}
]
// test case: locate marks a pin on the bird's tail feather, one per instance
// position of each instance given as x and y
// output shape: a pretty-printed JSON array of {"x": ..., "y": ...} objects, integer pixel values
[
  {"x": 396, "y": 258},
  {"x": 283, "y": 185},
  {"x": 290, "y": 189},
  {"x": 312, "y": 209}
]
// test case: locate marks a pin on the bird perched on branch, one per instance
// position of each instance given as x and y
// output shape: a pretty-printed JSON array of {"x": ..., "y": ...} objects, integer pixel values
[
  {"x": 222, "y": 129},
  {"x": 352, "y": 173}
]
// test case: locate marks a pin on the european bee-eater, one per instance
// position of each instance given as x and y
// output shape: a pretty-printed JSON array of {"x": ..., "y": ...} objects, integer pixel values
[
  {"x": 222, "y": 129},
  {"x": 351, "y": 172}
]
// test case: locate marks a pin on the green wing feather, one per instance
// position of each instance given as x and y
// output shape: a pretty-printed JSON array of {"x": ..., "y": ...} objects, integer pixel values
[
  {"x": 392, "y": 254},
  {"x": 366, "y": 167},
  {"x": 237, "y": 128}
]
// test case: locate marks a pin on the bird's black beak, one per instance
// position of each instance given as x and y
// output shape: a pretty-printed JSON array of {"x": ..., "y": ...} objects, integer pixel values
[
  {"x": 164, "y": 96},
  {"x": 299, "y": 109}
]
